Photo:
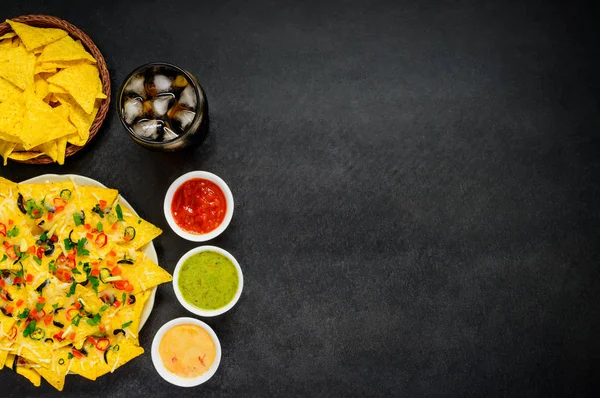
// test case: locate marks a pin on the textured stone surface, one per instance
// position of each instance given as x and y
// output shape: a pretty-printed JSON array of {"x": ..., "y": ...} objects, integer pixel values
[{"x": 416, "y": 185}]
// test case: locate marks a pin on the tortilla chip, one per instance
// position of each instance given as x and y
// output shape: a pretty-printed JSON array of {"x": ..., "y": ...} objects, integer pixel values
[
  {"x": 18, "y": 67},
  {"x": 81, "y": 120},
  {"x": 8, "y": 90},
  {"x": 145, "y": 274},
  {"x": 89, "y": 197},
  {"x": 81, "y": 82},
  {"x": 22, "y": 156},
  {"x": 33, "y": 37},
  {"x": 61, "y": 64},
  {"x": 41, "y": 123},
  {"x": 11, "y": 114},
  {"x": 6, "y": 148},
  {"x": 8, "y": 35},
  {"x": 144, "y": 231},
  {"x": 65, "y": 49},
  {"x": 55, "y": 379},
  {"x": 30, "y": 374},
  {"x": 53, "y": 88},
  {"x": 127, "y": 351},
  {"x": 41, "y": 87}
]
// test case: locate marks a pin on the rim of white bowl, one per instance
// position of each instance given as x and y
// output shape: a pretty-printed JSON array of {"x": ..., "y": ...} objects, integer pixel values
[
  {"x": 199, "y": 311},
  {"x": 169, "y": 199},
  {"x": 173, "y": 378}
]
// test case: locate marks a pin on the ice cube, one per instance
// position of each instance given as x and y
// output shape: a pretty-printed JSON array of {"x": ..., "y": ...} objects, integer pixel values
[
  {"x": 161, "y": 104},
  {"x": 184, "y": 118},
  {"x": 169, "y": 134},
  {"x": 158, "y": 84},
  {"x": 136, "y": 85},
  {"x": 148, "y": 129},
  {"x": 132, "y": 109},
  {"x": 188, "y": 98}
]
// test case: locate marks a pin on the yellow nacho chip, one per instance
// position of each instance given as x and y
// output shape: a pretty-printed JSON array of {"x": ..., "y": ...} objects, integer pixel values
[
  {"x": 41, "y": 124},
  {"x": 127, "y": 351},
  {"x": 33, "y": 37},
  {"x": 65, "y": 49},
  {"x": 53, "y": 88},
  {"x": 54, "y": 378},
  {"x": 8, "y": 35},
  {"x": 11, "y": 115},
  {"x": 30, "y": 374},
  {"x": 18, "y": 67},
  {"x": 8, "y": 90},
  {"x": 81, "y": 120},
  {"x": 81, "y": 82},
  {"x": 41, "y": 87},
  {"x": 22, "y": 156},
  {"x": 6, "y": 148}
]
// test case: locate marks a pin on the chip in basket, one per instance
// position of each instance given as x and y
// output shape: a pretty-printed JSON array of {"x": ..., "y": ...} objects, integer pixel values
[{"x": 50, "y": 92}]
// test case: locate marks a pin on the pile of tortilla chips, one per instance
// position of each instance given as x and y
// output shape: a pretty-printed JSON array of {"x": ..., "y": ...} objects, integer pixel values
[
  {"x": 50, "y": 92},
  {"x": 73, "y": 281}
]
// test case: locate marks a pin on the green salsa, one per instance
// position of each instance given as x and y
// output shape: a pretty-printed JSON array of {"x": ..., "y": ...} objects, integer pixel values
[{"x": 208, "y": 280}]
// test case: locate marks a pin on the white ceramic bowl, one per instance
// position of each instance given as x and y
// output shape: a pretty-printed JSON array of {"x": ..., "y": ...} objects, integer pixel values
[
  {"x": 169, "y": 198},
  {"x": 196, "y": 310},
  {"x": 173, "y": 378}
]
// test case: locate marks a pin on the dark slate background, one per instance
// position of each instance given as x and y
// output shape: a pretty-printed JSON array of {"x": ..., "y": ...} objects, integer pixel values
[{"x": 416, "y": 183}]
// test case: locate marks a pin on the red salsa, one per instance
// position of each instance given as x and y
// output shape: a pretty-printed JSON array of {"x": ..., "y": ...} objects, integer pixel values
[{"x": 199, "y": 206}]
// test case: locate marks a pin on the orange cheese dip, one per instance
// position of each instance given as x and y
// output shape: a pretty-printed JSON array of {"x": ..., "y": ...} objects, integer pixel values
[{"x": 187, "y": 350}]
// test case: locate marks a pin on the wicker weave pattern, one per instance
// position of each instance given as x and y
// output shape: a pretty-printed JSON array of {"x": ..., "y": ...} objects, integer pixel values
[{"x": 47, "y": 21}]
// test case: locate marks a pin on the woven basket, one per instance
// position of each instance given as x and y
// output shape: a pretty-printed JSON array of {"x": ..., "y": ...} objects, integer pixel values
[{"x": 47, "y": 21}]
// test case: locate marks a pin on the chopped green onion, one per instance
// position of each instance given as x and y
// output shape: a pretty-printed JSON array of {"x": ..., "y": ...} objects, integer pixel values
[
  {"x": 119, "y": 212},
  {"x": 126, "y": 324}
]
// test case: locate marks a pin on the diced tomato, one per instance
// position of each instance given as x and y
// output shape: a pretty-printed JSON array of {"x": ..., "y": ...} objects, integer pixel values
[
  {"x": 40, "y": 315},
  {"x": 48, "y": 319},
  {"x": 95, "y": 263},
  {"x": 17, "y": 280},
  {"x": 72, "y": 338},
  {"x": 31, "y": 249},
  {"x": 2, "y": 283},
  {"x": 58, "y": 336},
  {"x": 10, "y": 223},
  {"x": 10, "y": 252},
  {"x": 54, "y": 238},
  {"x": 9, "y": 309},
  {"x": 78, "y": 305},
  {"x": 122, "y": 284},
  {"x": 40, "y": 252},
  {"x": 89, "y": 236},
  {"x": 75, "y": 353},
  {"x": 41, "y": 299},
  {"x": 110, "y": 264},
  {"x": 102, "y": 204},
  {"x": 116, "y": 271},
  {"x": 58, "y": 209},
  {"x": 33, "y": 314},
  {"x": 2, "y": 229},
  {"x": 95, "y": 272},
  {"x": 91, "y": 340},
  {"x": 112, "y": 253},
  {"x": 102, "y": 328},
  {"x": 88, "y": 226},
  {"x": 127, "y": 238},
  {"x": 29, "y": 278},
  {"x": 101, "y": 240},
  {"x": 59, "y": 202},
  {"x": 71, "y": 256},
  {"x": 115, "y": 225},
  {"x": 50, "y": 216},
  {"x": 117, "y": 303}
]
